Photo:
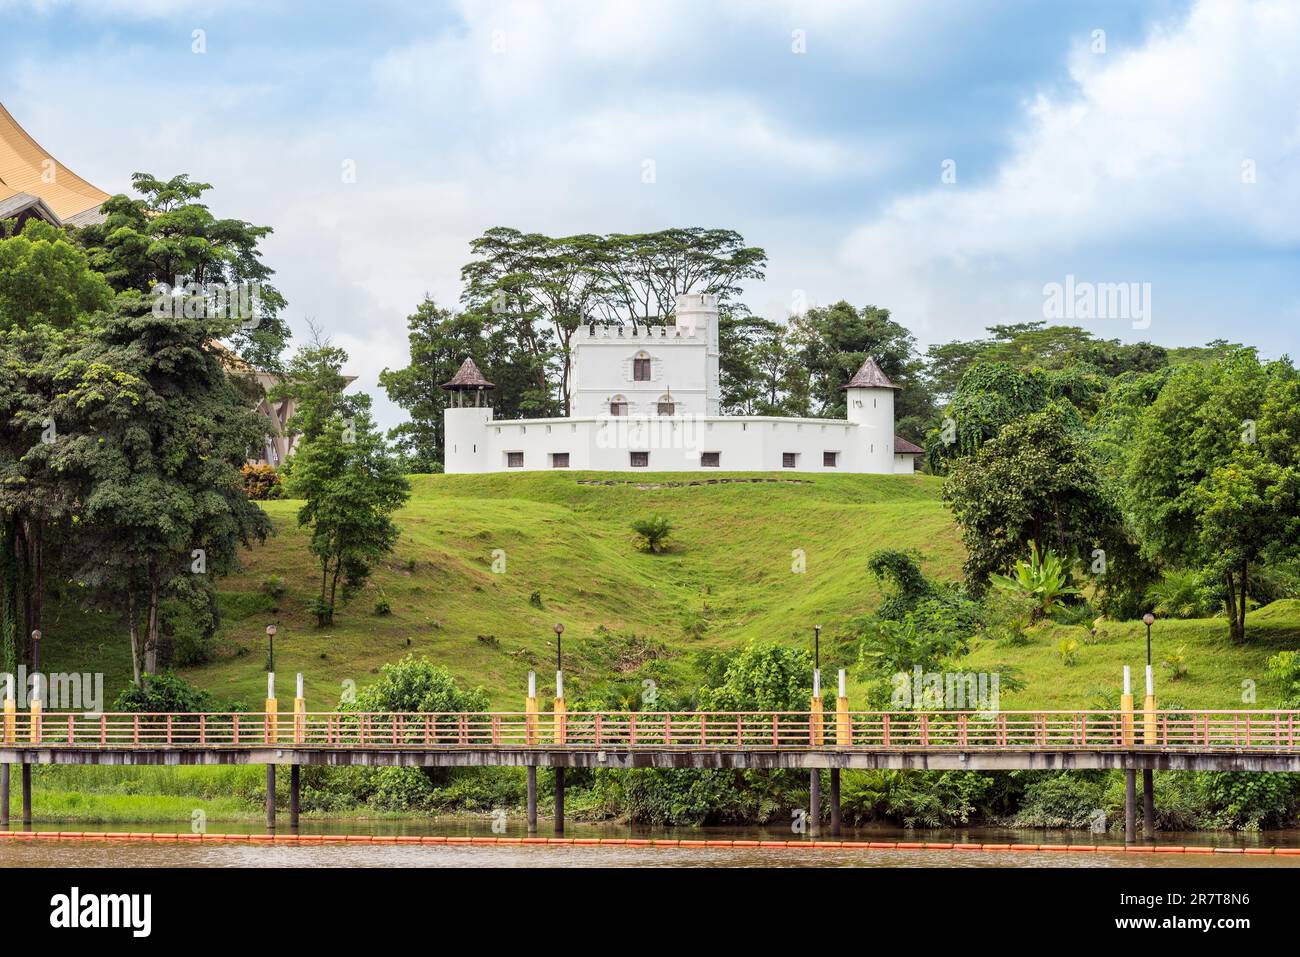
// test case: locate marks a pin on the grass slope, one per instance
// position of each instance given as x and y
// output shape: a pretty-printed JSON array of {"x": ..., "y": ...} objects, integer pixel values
[{"x": 567, "y": 537}]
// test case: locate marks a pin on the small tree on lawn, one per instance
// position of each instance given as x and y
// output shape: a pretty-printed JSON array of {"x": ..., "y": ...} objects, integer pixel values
[
  {"x": 352, "y": 484},
  {"x": 652, "y": 533}
]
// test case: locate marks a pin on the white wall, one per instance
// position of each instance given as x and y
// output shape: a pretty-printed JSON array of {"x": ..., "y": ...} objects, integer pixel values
[{"x": 475, "y": 443}]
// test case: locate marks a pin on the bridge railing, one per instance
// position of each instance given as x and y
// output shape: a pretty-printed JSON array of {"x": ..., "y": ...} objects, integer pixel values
[{"x": 873, "y": 730}]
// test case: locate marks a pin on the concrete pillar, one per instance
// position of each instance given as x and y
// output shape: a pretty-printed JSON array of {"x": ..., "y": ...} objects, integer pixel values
[
  {"x": 299, "y": 715},
  {"x": 559, "y": 800},
  {"x": 1130, "y": 806},
  {"x": 27, "y": 796},
  {"x": 532, "y": 799},
  {"x": 835, "y": 802},
  {"x": 843, "y": 725},
  {"x": 1148, "y": 805},
  {"x": 272, "y": 709},
  {"x": 815, "y": 803},
  {"x": 4, "y": 795},
  {"x": 270, "y": 797},
  {"x": 294, "y": 783}
]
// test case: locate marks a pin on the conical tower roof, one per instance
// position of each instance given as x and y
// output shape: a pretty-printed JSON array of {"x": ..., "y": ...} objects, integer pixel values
[
  {"x": 468, "y": 377},
  {"x": 870, "y": 376}
]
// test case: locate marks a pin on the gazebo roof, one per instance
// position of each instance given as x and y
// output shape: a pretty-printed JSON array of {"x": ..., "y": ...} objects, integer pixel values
[
  {"x": 870, "y": 376},
  {"x": 904, "y": 447},
  {"x": 468, "y": 377}
]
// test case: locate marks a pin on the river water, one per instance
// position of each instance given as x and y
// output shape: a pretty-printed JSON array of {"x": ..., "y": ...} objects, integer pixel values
[{"x": 139, "y": 854}]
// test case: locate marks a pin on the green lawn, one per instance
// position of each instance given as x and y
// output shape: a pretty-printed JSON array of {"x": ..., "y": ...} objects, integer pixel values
[{"x": 727, "y": 579}]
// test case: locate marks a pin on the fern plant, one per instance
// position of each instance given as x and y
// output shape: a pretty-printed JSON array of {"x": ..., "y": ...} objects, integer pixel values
[{"x": 1179, "y": 594}]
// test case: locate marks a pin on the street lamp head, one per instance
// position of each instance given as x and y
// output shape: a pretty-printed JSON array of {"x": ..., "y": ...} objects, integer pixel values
[
  {"x": 270, "y": 631},
  {"x": 36, "y": 635},
  {"x": 559, "y": 628},
  {"x": 1148, "y": 619}
]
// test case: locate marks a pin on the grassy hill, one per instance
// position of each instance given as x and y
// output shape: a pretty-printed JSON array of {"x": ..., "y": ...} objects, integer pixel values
[{"x": 570, "y": 557}]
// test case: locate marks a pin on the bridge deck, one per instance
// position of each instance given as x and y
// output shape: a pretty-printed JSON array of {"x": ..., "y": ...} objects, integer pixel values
[{"x": 965, "y": 740}]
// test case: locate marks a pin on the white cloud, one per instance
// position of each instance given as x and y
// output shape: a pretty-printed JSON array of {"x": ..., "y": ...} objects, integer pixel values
[{"x": 1145, "y": 152}]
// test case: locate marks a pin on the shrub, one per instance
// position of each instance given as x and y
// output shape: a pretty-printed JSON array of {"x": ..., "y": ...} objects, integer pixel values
[
  {"x": 535, "y": 599},
  {"x": 1176, "y": 664},
  {"x": 162, "y": 693},
  {"x": 652, "y": 533},
  {"x": 273, "y": 586},
  {"x": 417, "y": 684},
  {"x": 1041, "y": 579},
  {"x": 382, "y": 606},
  {"x": 1180, "y": 594},
  {"x": 261, "y": 482},
  {"x": 1284, "y": 672},
  {"x": 1068, "y": 651}
]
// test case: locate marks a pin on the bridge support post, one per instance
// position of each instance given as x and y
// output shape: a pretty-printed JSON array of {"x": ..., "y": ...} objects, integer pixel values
[
  {"x": 532, "y": 799},
  {"x": 1130, "y": 806},
  {"x": 835, "y": 802},
  {"x": 27, "y": 796},
  {"x": 559, "y": 800},
  {"x": 294, "y": 788},
  {"x": 815, "y": 803},
  {"x": 4, "y": 795},
  {"x": 1148, "y": 805},
  {"x": 1149, "y": 737},
  {"x": 270, "y": 797}
]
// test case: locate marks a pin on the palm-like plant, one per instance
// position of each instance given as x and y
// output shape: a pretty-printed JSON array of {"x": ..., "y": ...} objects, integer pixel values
[
  {"x": 1180, "y": 593},
  {"x": 1043, "y": 580}
]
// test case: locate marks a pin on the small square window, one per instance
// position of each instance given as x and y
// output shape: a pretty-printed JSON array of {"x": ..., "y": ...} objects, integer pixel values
[
  {"x": 514, "y": 460},
  {"x": 830, "y": 459},
  {"x": 789, "y": 460},
  {"x": 666, "y": 408},
  {"x": 641, "y": 370},
  {"x": 618, "y": 408},
  {"x": 559, "y": 460},
  {"x": 640, "y": 460},
  {"x": 710, "y": 460}
]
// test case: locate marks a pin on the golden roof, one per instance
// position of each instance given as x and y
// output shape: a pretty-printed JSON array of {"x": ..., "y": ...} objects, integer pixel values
[{"x": 25, "y": 168}]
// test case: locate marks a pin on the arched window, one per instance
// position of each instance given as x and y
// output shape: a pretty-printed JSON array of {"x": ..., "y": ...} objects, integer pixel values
[
  {"x": 666, "y": 405},
  {"x": 618, "y": 405}
]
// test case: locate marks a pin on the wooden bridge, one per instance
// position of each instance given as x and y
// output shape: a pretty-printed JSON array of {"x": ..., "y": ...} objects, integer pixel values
[{"x": 1144, "y": 740}]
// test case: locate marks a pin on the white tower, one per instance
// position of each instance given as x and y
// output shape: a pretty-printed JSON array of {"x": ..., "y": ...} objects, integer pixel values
[
  {"x": 697, "y": 313},
  {"x": 870, "y": 404}
]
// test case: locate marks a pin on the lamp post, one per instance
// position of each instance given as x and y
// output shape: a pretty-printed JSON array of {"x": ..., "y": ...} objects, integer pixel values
[
  {"x": 1148, "y": 619},
  {"x": 36, "y": 651},
  {"x": 270, "y": 647},
  {"x": 559, "y": 630}
]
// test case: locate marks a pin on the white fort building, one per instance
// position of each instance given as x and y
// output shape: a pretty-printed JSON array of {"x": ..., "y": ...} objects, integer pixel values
[{"x": 648, "y": 399}]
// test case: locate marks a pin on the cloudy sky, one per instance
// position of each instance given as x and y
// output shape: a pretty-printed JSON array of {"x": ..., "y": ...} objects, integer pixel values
[{"x": 945, "y": 159}]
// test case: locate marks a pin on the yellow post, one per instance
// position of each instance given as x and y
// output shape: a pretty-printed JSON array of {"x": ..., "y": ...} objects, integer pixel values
[
  {"x": 843, "y": 726},
  {"x": 1149, "y": 712},
  {"x": 11, "y": 715},
  {"x": 530, "y": 710},
  {"x": 272, "y": 707},
  {"x": 1126, "y": 710},
  {"x": 560, "y": 715},
  {"x": 299, "y": 715},
  {"x": 36, "y": 721}
]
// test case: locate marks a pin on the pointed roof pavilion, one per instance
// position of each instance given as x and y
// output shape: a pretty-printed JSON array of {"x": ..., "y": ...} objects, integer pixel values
[
  {"x": 467, "y": 377},
  {"x": 870, "y": 376},
  {"x": 34, "y": 183}
]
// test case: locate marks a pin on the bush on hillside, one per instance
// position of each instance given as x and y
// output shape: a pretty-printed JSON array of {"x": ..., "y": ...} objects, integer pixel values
[{"x": 652, "y": 533}]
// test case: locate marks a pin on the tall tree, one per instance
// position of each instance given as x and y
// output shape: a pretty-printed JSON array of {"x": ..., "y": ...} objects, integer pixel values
[
  {"x": 48, "y": 296},
  {"x": 835, "y": 340},
  {"x": 158, "y": 438},
  {"x": 1035, "y": 485},
  {"x": 351, "y": 484},
  {"x": 1212, "y": 475},
  {"x": 167, "y": 237}
]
